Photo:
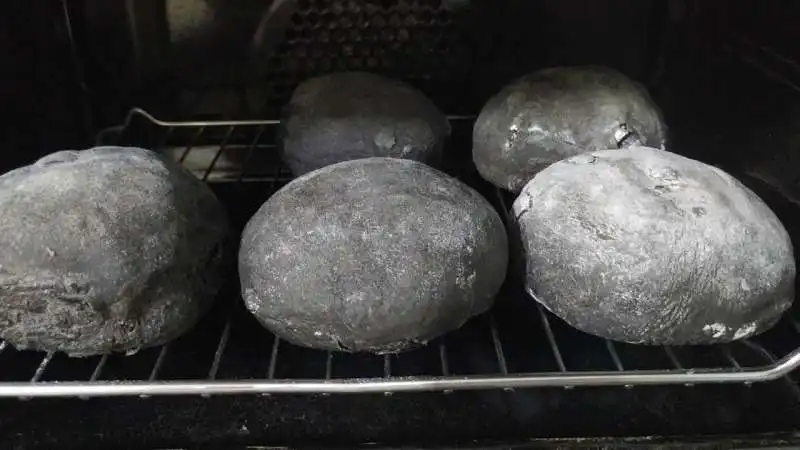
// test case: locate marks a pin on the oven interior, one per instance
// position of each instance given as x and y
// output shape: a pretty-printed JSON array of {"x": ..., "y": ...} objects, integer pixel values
[{"x": 204, "y": 82}]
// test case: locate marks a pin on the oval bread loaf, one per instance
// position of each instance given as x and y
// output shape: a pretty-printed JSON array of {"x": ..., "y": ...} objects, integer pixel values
[
  {"x": 557, "y": 113},
  {"x": 645, "y": 246},
  {"x": 352, "y": 115},
  {"x": 377, "y": 255},
  {"x": 104, "y": 250}
]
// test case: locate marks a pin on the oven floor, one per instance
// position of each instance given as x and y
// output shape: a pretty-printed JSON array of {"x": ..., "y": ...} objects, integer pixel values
[{"x": 402, "y": 419}]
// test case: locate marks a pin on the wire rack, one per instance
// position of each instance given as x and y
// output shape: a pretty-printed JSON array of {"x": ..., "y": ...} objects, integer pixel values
[{"x": 517, "y": 345}]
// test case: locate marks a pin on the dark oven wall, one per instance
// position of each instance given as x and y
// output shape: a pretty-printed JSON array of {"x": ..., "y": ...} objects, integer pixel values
[
  {"x": 245, "y": 61},
  {"x": 767, "y": 43},
  {"x": 730, "y": 88},
  {"x": 43, "y": 104}
]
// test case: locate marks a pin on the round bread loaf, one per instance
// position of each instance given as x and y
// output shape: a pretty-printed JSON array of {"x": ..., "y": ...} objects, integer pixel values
[
  {"x": 353, "y": 115},
  {"x": 377, "y": 255},
  {"x": 103, "y": 250},
  {"x": 557, "y": 113},
  {"x": 645, "y": 246}
]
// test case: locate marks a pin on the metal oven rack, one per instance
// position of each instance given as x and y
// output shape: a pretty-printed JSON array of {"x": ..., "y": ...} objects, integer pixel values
[{"x": 517, "y": 345}]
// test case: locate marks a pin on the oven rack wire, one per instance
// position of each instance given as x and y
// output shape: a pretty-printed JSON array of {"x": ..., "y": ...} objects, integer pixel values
[{"x": 202, "y": 147}]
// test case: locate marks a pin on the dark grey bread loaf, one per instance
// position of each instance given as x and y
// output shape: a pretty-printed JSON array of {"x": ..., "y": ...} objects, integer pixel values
[
  {"x": 353, "y": 115},
  {"x": 557, "y": 113},
  {"x": 645, "y": 246},
  {"x": 103, "y": 250},
  {"x": 377, "y": 255}
]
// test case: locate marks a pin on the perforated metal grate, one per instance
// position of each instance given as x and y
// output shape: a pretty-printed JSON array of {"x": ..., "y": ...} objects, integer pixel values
[{"x": 420, "y": 41}]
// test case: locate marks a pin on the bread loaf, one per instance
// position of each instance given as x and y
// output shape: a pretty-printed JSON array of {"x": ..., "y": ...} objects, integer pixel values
[
  {"x": 376, "y": 255},
  {"x": 557, "y": 113},
  {"x": 352, "y": 115},
  {"x": 105, "y": 250},
  {"x": 645, "y": 246}
]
